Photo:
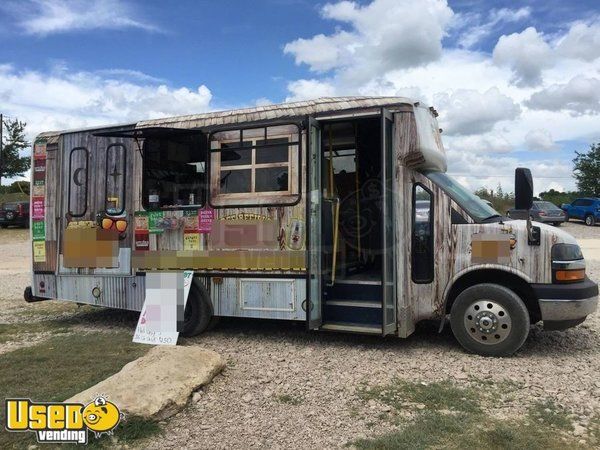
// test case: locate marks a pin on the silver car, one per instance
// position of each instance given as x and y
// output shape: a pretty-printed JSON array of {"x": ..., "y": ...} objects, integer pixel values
[{"x": 541, "y": 211}]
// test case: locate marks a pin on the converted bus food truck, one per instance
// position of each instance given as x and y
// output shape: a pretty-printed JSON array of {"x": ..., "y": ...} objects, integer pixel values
[{"x": 335, "y": 211}]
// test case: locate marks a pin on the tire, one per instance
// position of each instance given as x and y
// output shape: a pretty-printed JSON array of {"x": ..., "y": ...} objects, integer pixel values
[
  {"x": 198, "y": 311},
  {"x": 590, "y": 220},
  {"x": 557, "y": 224},
  {"x": 497, "y": 331},
  {"x": 567, "y": 218}
]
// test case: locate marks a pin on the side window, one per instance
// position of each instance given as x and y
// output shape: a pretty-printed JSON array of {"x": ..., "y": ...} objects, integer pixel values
[
  {"x": 78, "y": 181},
  {"x": 422, "y": 234},
  {"x": 586, "y": 203},
  {"x": 255, "y": 166},
  {"x": 577, "y": 203},
  {"x": 115, "y": 179},
  {"x": 174, "y": 173}
]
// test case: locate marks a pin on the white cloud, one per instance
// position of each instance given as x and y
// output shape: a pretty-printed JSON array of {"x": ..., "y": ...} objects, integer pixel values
[
  {"x": 383, "y": 35},
  {"x": 477, "y": 170},
  {"x": 581, "y": 42},
  {"x": 540, "y": 140},
  {"x": 467, "y": 111},
  {"x": 526, "y": 53},
  {"x": 308, "y": 89},
  {"x": 43, "y": 17},
  {"x": 478, "y": 144},
  {"x": 580, "y": 95},
  {"x": 80, "y": 99}
]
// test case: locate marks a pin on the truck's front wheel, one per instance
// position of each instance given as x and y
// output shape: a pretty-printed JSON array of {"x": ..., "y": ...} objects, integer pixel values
[{"x": 490, "y": 320}]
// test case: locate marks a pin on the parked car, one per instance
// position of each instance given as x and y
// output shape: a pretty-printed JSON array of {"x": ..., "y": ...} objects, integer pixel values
[
  {"x": 541, "y": 211},
  {"x": 14, "y": 213},
  {"x": 586, "y": 209}
]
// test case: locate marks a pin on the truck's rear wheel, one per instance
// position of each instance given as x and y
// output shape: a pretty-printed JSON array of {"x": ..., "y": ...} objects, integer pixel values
[
  {"x": 490, "y": 320},
  {"x": 198, "y": 311}
]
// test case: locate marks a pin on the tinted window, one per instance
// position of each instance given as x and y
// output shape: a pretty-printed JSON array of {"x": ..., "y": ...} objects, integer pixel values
[
  {"x": 422, "y": 235},
  {"x": 548, "y": 206},
  {"x": 255, "y": 161},
  {"x": 115, "y": 181},
  {"x": 78, "y": 181}
]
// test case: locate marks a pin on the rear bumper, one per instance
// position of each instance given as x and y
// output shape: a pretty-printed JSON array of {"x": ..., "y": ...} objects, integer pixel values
[
  {"x": 550, "y": 219},
  {"x": 568, "y": 304}
]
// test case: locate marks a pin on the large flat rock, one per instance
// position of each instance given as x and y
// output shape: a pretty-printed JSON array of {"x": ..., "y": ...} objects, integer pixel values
[{"x": 158, "y": 384}]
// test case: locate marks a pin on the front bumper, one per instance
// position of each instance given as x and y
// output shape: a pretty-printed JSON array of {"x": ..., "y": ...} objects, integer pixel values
[{"x": 566, "y": 305}]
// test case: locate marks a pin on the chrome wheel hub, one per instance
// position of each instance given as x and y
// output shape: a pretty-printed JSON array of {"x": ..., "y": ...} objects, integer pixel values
[{"x": 487, "y": 322}]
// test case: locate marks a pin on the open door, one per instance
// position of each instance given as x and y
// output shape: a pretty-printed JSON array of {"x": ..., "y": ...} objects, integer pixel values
[
  {"x": 314, "y": 317},
  {"x": 387, "y": 225}
]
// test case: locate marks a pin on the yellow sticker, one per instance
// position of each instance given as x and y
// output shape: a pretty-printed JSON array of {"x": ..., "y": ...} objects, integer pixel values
[
  {"x": 191, "y": 241},
  {"x": 39, "y": 251}
]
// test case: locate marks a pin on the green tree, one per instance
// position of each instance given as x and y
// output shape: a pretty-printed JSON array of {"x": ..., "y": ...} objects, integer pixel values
[
  {"x": 11, "y": 163},
  {"x": 558, "y": 198},
  {"x": 587, "y": 171}
]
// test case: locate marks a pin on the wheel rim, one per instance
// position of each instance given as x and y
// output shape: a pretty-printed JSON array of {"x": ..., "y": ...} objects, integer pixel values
[
  {"x": 487, "y": 322},
  {"x": 588, "y": 220}
]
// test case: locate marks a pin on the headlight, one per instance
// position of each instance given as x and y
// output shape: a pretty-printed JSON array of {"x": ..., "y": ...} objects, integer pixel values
[{"x": 568, "y": 265}]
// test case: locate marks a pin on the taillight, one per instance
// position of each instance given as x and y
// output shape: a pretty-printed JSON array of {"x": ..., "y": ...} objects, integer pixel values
[{"x": 542, "y": 213}]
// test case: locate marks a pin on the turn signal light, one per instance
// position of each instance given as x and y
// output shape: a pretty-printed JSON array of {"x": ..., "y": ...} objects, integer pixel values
[{"x": 567, "y": 276}]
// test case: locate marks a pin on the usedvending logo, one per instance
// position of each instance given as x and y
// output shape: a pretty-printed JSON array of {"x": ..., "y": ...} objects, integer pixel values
[{"x": 55, "y": 422}]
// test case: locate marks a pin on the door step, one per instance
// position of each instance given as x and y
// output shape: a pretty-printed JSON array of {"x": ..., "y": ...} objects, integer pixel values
[
  {"x": 359, "y": 282},
  {"x": 351, "y": 327},
  {"x": 354, "y": 303}
]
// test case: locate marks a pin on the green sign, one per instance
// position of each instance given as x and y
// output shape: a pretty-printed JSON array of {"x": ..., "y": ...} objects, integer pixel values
[
  {"x": 38, "y": 229},
  {"x": 154, "y": 218}
]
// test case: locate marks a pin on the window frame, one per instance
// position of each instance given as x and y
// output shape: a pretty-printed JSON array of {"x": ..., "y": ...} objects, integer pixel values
[
  {"x": 430, "y": 256},
  {"x": 220, "y": 200},
  {"x": 87, "y": 180},
  {"x": 201, "y": 198},
  {"x": 124, "y": 184}
]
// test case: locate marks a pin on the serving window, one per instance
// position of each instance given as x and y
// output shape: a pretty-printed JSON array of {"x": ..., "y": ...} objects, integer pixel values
[
  {"x": 174, "y": 172},
  {"x": 257, "y": 166}
]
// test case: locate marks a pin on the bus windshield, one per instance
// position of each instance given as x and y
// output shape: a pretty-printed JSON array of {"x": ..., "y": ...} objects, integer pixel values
[{"x": 472, "y": 204}]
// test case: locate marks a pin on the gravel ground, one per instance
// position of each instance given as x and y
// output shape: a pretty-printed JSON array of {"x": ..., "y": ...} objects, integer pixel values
[{"x": 285, "y": 388}]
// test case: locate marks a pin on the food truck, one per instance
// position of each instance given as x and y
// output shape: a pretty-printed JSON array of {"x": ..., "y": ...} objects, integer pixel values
[{"x": 336, "y": 211}]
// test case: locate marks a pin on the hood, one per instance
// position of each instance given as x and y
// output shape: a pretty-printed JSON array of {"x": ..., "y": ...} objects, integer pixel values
[{"x": 560, "y": 236}]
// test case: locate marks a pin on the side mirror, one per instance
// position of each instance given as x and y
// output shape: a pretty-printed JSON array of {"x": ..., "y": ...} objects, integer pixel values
[{"x": 523, "y": 189}]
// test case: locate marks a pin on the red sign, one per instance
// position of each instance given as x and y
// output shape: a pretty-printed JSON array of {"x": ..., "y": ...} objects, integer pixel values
[
  {"x": 142, "y": 240},
  {"x": 38, "y": 208},
  {"x": 206, "y": 218}
]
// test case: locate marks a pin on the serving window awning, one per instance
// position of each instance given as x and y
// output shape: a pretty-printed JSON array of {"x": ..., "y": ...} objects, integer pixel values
[{"x": 150, "y": 132}]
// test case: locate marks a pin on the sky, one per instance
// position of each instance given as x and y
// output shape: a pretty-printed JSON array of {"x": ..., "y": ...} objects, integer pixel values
[{"x": 515, "y": 83}]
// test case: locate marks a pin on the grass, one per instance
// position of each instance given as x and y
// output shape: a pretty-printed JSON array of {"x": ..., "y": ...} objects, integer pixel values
[
  {"x": 62, "y": 366},
  {"x": 435, "y": 396},
  {"x": 289, "y": 399},
  {"x": 456, "y": 417},
  {"x": 12, "y": 331},
  {"x": 550, "y": 414}
]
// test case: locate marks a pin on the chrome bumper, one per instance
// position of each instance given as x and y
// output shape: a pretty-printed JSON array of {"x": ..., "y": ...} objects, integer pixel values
[{"x": 567, "y": 309}]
